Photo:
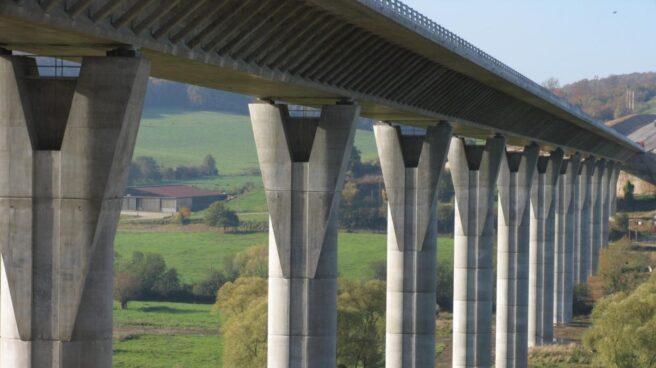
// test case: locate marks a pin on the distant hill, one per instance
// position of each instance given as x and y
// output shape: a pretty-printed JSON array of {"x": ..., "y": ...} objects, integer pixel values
[
  {"x": 612, "y": 97},
  {"x": 169, "y": 95}
]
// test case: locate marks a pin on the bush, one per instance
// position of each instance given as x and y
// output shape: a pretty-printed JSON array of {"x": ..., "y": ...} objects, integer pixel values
[
  {"x": 206, "y": 289},
  {"x": 218, "y": 215},
  {"x": 620, "y": 267},
  {"x": 582, "y": 305},
  {"x": 183, "y": 217},
  {"x": 445, "y": 286},
  {"x": 622, "y": 333}
]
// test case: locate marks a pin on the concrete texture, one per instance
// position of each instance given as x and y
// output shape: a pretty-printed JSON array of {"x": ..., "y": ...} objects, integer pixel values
[
  {"x": 388, "y": 57},
  {"x": 583, "y": 251},
  {"x": 608, "y": 188},
  {"x": 303, "y": 161},
  {"x": 474, "y": 170},
  {"x": 617, "y": 168},
  {"x": 513, "y": 237},
  {"x": 566, "y": 237},
  {"x": 411, "y": 168},
  {"x": 598, "y": 193},
  {"x": 541, "y": 251},
  {"x": 65, "y": 149}
]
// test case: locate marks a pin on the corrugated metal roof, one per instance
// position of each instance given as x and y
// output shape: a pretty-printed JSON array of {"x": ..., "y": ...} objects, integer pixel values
[{"x": 178, "y": 191}]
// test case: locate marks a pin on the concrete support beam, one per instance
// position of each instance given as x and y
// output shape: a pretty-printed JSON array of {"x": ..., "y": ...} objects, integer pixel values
[
  {"x": 541, "y": 251},
  {"x": 613, "y": 188},
  {"x": 583, "y": 250},
  {"x": 65, "y": 148},
  {"x": 606, "y": 202},
  {"x": 598, "y": 193},
  {"x": 303, "y": 161},
  {"x": 514, "y": 185},
  {"x": 411, "y": 166},
  {"x": 566, "y": 237},
  {"x": 474, "y": 170}
]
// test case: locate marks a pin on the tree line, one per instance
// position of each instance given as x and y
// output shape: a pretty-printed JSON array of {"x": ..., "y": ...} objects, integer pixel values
[
  {"x": 610, "y": 98},
  {"x": 146, "y": 170}
]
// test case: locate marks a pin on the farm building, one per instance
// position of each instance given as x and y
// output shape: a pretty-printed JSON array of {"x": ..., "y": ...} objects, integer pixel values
[{"x": 168, "y": 198}]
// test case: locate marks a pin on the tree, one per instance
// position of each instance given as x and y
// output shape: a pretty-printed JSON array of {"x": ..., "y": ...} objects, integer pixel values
[
  {"x": 444, "y": 292},
  {"x": 619, "y": 267},
  {"x": 622, "y": 333},
  {"x": 628, "y": 192},
  {"x": 209, "y": 286},
  {"x": 551, "y": 84},
  {"x": 209, "y": 166},
  {"x": 360, "y": 324},
  {"x": 622, "y": 222},
  {"x": 126, "y": 287},
  {"x": 148, "y": 267},
  {"x": 218, "y": 215},
  {"x": 253, "y": 261},
  {"x": 168, "y": 283},
  {"x": 148, "y": 169},
  {"x": 243, "y": 305}
]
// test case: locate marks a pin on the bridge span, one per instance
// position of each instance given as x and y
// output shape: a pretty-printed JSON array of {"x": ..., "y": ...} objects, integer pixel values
[{"x": 66, "y": 143}]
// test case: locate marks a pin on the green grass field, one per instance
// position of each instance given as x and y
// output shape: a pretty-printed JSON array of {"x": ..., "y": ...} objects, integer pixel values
[
  {"x": 166, "y": 335},
  {"x": 184, "y": 138},
  {"x": 193, "y": 254}
]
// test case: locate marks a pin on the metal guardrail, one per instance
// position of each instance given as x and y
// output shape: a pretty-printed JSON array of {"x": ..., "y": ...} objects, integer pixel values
[{"x": 397, "y": 7}]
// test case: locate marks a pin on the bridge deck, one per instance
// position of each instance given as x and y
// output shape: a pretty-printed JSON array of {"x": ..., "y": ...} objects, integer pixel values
[{"x": 398, "y": 65}]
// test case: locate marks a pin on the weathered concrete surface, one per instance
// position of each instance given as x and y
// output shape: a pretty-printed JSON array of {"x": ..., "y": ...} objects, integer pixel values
[
  {"x": 411, "y": 168},
  {"x": 566, "y": 238},
  {"x": 583, "y": 251},
  {"x": 541, "y": 252},
  {"x": 474, "y": 170},
  {"x": 65, "y": 147},
  {"x": 613, "y": 186},
  {"x": 607, "y": 185},
  {"x": 598, "y": 193},
  {"x": 303, "y": 161},
  {"x": 513, "y": 237}
]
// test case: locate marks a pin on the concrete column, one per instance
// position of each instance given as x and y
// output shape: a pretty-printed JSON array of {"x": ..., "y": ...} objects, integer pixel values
[
  {"x": 474, "y": 170},
  {"x": 613, "y": 188},
  {"x": 303, "y": 161},
  {"x": 541, "y": 251},
  {"x": 605, "y": 205},
  {"x": 411, "y": 166},
  {"x": 565, "y": 239},
  {"x": 582, "y": 257},
  {"x": 65, "y": 149},
  {"x": 514, "y": 185},
  {"x": 597, "y": 214}
]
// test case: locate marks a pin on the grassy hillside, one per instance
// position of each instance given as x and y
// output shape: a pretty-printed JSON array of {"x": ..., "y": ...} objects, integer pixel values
[
  {"x": 184, "y": 138},
  {"x": 194, "y": 253}
]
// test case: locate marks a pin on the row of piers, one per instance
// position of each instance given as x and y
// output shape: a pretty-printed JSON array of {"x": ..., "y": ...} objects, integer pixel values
[{"x": 66, "y": 144}]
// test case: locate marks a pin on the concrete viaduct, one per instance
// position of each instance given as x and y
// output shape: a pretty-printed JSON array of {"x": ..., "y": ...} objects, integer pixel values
[{"x": 65, "y": 144}]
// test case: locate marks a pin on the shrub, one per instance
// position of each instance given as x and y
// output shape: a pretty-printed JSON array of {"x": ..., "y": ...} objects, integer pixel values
[{"x": 218, "y": 215}]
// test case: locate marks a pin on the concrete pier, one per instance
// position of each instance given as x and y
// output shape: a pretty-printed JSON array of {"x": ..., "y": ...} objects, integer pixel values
[
  {"x": 566, "y": 236},
  {"x": 514, "y": 185},
  {"x": 65, "y": 148},
  {"x": 474, "y": 170},
  {"x": 613, "y": 188},
  {"x": 303, "y": 161},
  {"x": 583, "y": 251},
  {"x": 541, "y": 251},
  {"x": 411, "y": 166},
  {"x": 609, "y": 172},
  {"x": 598, "y": 193}
]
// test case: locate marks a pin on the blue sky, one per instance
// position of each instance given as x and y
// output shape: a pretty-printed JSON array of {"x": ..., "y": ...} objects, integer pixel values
[{"x": 565, "y": 39}]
